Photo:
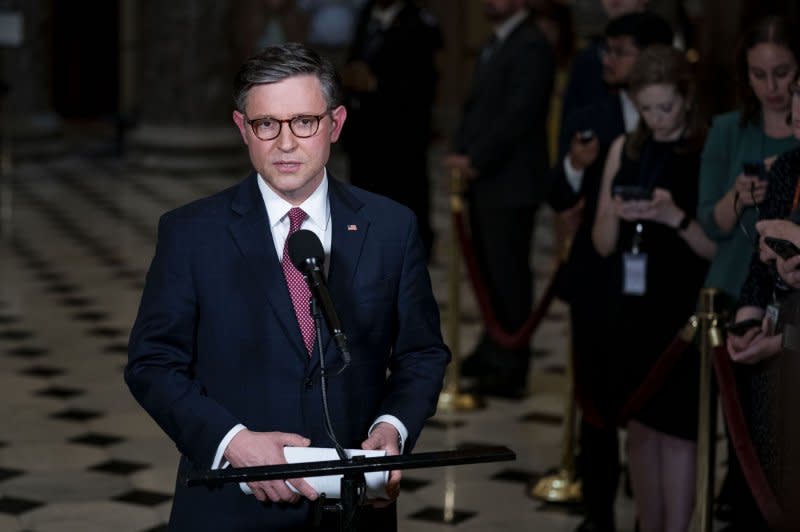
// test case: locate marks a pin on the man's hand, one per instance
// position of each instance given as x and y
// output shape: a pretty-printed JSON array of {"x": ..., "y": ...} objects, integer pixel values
[
  {"x": 384, "y": 436},
  {"x": 249, "y": 449},
  {"x": 583, "y": 154},
  {"x": 460, "y": 163}
]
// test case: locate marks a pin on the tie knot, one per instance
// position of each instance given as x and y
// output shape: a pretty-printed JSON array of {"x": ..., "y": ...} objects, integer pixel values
[{"x": 296, "y": 218}]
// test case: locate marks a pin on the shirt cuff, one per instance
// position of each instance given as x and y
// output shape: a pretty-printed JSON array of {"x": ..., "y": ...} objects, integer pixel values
[
  {"x": 221, "y": 463},
  {"x": 397, "y": 424},
  {"x": 574, "y": 176}
]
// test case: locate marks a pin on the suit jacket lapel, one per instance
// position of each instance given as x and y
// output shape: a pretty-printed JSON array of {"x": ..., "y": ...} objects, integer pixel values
[
  {"x": 349, "y": 230},
  {"x": 253, "y": 236}
]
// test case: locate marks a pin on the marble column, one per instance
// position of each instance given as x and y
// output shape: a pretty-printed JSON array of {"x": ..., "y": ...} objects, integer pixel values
[
  {"x": 187, "y": 59},
  {"x": 30, "y": 121}
]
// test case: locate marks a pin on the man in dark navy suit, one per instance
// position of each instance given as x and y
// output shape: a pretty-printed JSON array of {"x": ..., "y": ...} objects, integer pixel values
[{"x": 221, "y": 355}]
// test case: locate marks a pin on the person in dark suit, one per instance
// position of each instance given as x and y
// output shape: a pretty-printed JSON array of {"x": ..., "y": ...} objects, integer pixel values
[
  {"x": 501, "y": 146},
  {"x": 220, "y": 354},
  {"x": 391, "y": 72},
  {"x": 590, "y": 282}
]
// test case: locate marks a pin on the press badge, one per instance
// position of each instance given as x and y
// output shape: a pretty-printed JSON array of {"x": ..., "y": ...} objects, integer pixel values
[{"x": 635, "y": 280}]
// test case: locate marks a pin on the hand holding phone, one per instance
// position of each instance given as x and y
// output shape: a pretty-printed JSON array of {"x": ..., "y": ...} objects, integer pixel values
[
  {"x": 741, "y": 327},
  {"x": 632, "y": 192},
  {"x": 754, "y": 169},
  {"x": 783, "y": 248}
]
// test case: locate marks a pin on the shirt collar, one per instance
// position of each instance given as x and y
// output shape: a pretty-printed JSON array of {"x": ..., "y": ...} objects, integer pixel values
[
  {"x": 316, "y": 206},
  {"x": 386, "y": 15},
  {"x": 630, "y": 113},
  {"x": 505, "y": 28}
]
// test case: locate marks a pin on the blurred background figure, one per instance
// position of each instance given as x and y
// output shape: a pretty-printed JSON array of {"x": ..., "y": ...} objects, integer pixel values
[
  {"x": 501, "y": 147},
  {"x": 390, "y": 82},
  {"x": 282, "y": 23}
]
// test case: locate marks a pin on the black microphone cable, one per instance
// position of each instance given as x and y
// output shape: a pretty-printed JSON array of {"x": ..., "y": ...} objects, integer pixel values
[{"x": 324, "y": 382}]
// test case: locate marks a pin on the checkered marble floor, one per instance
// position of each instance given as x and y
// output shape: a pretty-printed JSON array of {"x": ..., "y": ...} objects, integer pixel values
[{"x": 78, "y": 454}]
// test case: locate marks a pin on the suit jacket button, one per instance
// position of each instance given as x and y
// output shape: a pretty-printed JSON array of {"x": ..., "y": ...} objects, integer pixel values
[{"x": 309, "y": 383}]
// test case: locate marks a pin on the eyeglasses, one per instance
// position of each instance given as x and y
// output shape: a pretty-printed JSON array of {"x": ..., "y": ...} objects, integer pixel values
[
  {"x": 301, "y": 126},
  {"x": 617, "y": 51}
]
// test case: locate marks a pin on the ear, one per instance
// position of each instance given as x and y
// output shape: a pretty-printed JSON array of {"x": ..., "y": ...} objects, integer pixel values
[
  {"x": 338, "y": 116},
  {"x": 239, "y": 120}
]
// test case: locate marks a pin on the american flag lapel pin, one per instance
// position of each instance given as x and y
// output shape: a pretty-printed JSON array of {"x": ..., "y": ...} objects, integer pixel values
[{"x": 352, "y": 227}]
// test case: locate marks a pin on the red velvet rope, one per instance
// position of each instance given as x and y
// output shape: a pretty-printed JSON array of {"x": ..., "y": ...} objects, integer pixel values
[
  {"x": 504, "y": 339},
  {"x": 654, "y": 380},
  {"x": 742, "y": 444}
]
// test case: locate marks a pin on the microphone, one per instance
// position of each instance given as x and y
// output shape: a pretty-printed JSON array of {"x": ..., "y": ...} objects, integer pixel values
[{"x": 306, "y": 253}]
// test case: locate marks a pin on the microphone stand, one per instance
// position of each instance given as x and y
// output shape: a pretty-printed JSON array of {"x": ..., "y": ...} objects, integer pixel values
[{"x": 353, "y": 486}]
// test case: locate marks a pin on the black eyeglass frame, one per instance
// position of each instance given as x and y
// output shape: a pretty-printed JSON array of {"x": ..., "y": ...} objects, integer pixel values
[{"x": 253, "y": 121}]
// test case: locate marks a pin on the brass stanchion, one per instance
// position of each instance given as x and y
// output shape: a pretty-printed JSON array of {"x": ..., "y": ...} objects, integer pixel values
[
  {"x": 561, "y": 486},
  {"x": 452, "y": 398},
  {"x": 710, "y": 337}
]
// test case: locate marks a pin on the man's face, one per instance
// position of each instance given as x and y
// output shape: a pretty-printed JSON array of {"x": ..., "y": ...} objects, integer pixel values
[
  {"x": 618, "y": 60},
  {"x": 617, "y": 8},
  {"x": 293, "y": 167},
  {"x": 499, "y": 10}
]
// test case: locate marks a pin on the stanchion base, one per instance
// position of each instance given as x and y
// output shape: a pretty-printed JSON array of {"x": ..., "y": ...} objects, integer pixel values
[
  {"x": 460, "y": 402},
  {"x": 559, "y": 488}
]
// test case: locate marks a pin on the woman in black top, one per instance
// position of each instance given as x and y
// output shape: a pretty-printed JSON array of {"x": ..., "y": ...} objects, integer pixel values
[{"x": 662, "y": 257}]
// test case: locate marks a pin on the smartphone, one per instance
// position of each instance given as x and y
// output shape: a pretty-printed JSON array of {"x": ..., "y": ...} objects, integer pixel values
[
  {"x": 785, "y": 249},
  {"x": 585, "y": 136},
  {"x": 632, "y": 192},
  {"x": 755, "y": 169},
  {"x": 741, "y": 327}
]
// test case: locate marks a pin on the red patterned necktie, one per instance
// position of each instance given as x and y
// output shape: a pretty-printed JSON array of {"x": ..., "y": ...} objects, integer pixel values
[{"x": 298, "y": 288}]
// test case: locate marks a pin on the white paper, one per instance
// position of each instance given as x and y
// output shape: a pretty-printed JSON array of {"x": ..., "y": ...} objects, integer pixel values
[{"x": 330, "y": 485}]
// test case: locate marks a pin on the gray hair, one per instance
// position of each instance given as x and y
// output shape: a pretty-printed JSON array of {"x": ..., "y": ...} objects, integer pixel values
[{"x": 279, "y": 62}]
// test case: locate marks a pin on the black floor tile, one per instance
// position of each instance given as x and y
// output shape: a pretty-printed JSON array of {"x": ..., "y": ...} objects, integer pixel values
[
  {"x": 15, "y": 334},
  {"x": 116, "y": 349},
  {"x": 62, "y": 288},
  {"x": 96, "y": 439},
  {"x": 433, "y": 514},
  {"x": 8, "y": 319},
  {"x": 554, "y": 370},
  {"x": 410, "y": 485},
  {"x": 27, "y": 352},
  {"x": 520, "y": 476},
  {"x": 17, "y": 506},
  {"x": 143, "y": 497},
  {"x": 76, "y": 414},
  {"x": 90, "y": 316},
  {"x": 541, "y": 417},
  {"x": 42, "y": 371},
  {"x": 76, "y": 301},
  {"x": 119, "y": 467},
  {"x": 6, "y": 473},
  {"x": 106, "y": 332},
  {"x": 440, "y": 424},
  {"x": 59, "y": 392}
]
